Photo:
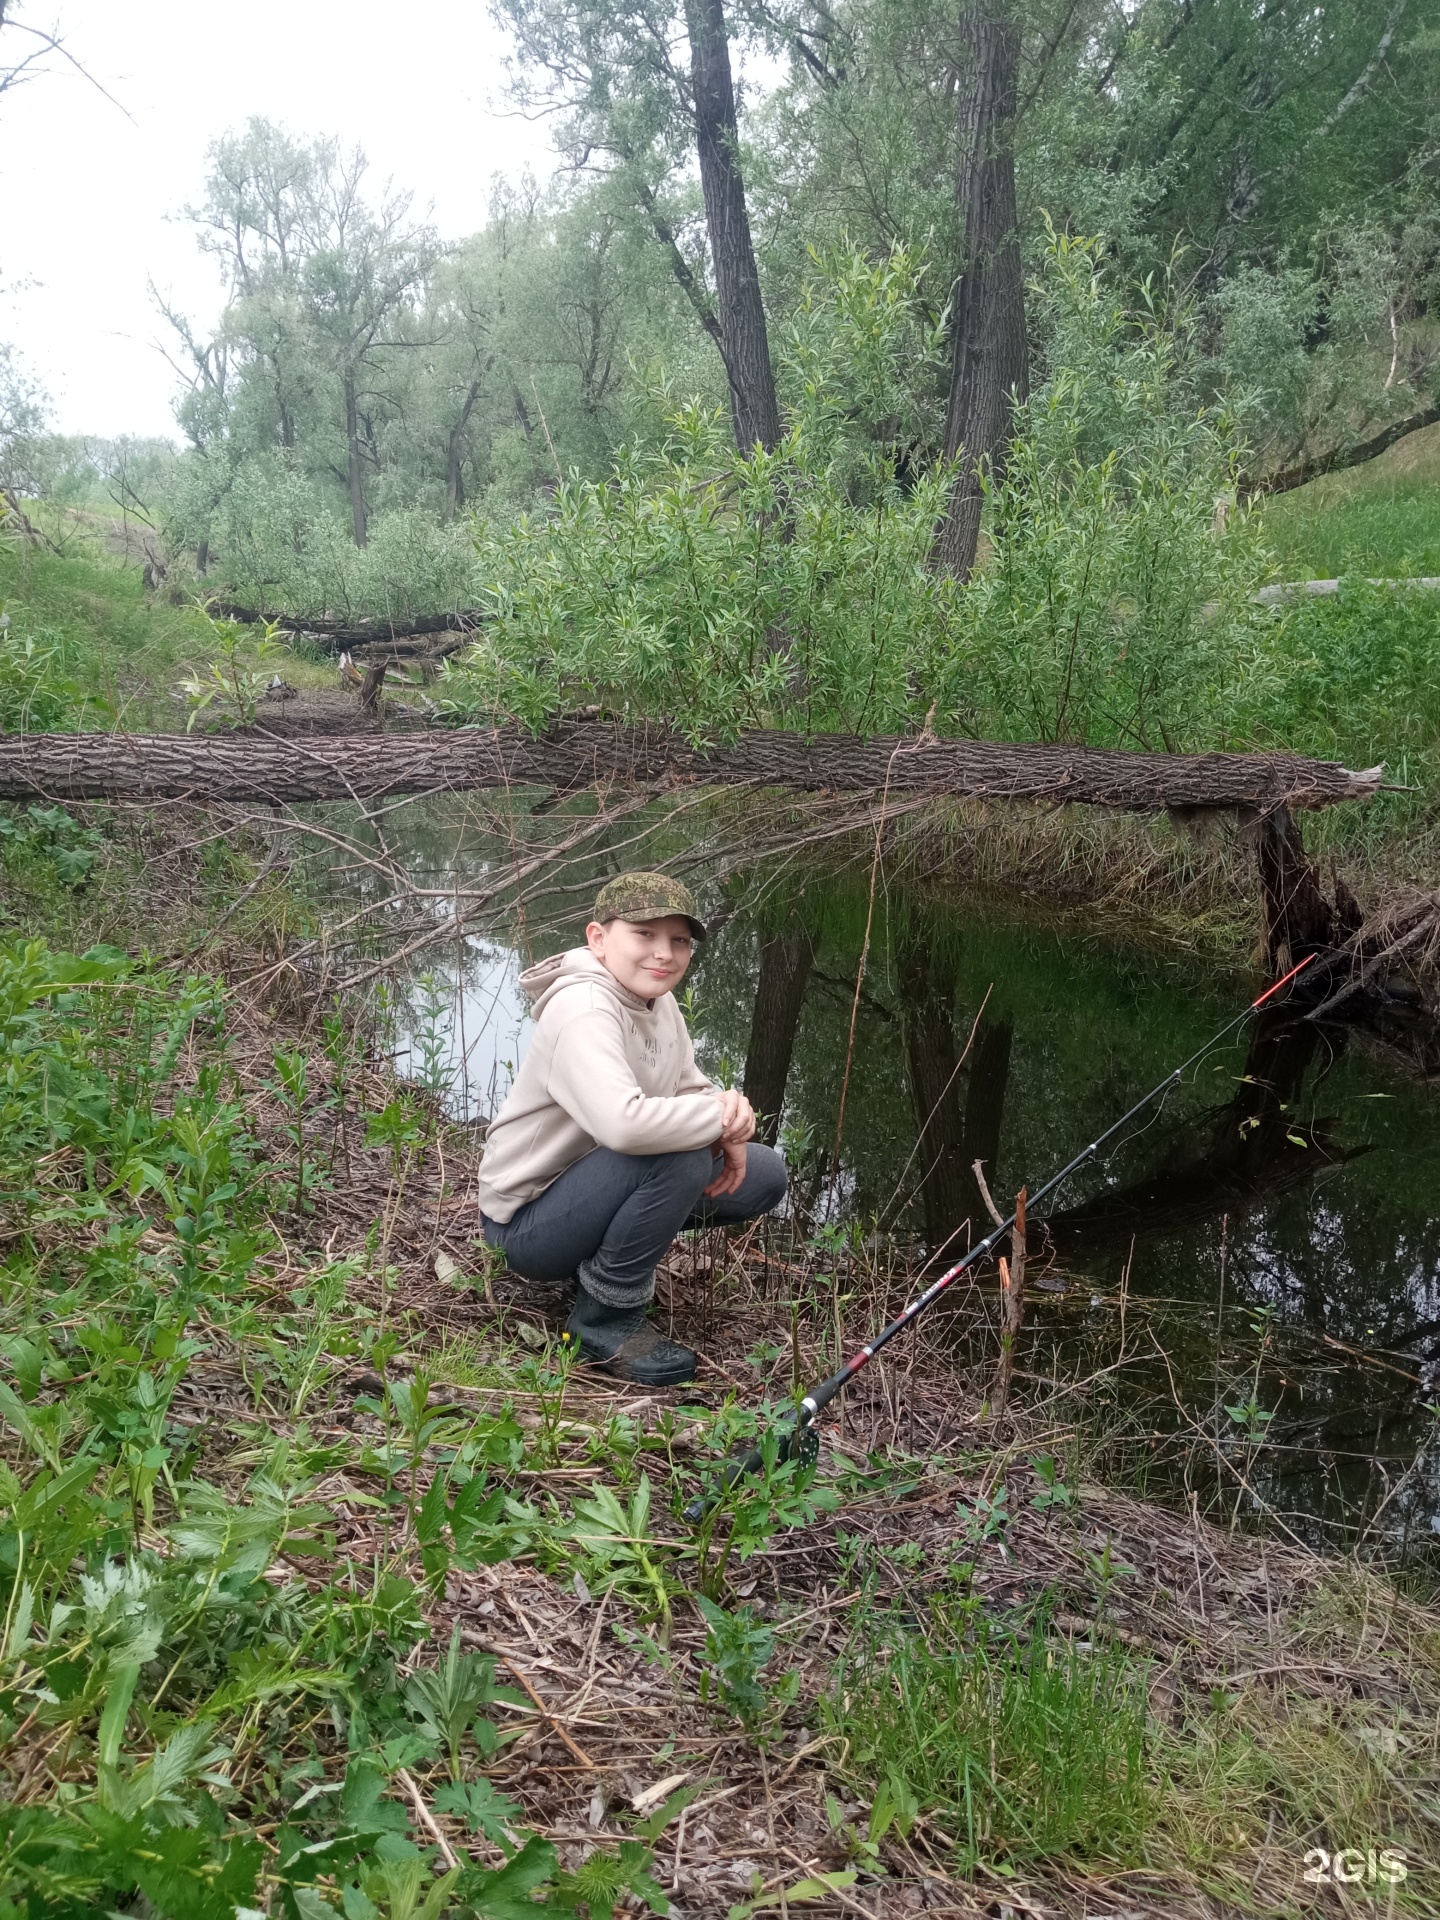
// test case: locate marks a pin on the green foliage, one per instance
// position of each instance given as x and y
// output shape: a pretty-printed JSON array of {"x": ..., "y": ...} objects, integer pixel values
[
  {"x": 235, "y": 676},
  {"x": 1349, "y": 677},
  {"x": 619, "y": 1552},
  {"x": 207, "y": 1658},
  {"x": 743, "y": 1512},
  {"x": 289, "y": 549},
  {"x": 447, "y": 1699},
  {"x": 50, "y": 838},
  {"x": 785, "y": 588},
  {"x": 737, "y": 1647},
  {"x": 36, "y": 691},
  {"x": 1110, "y": 611},
  {"x": 597, "y": 1884},
  {"x": 795, "y": 588},
  {"x": 1014, "y": 1745}
]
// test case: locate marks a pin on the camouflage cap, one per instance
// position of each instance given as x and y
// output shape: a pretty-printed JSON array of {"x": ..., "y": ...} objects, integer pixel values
[{"x": 647, "y": 896}]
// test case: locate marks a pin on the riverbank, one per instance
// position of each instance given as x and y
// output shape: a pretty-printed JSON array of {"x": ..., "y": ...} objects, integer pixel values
[{"x": 376, "y": 1583}]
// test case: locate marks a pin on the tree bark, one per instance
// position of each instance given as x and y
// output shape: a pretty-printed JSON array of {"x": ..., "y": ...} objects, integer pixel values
[
  {"x": 754, "y": 407},
  {"x": 785, "y": 962},
  {"x": 1339, "y": 458},
  {"x": 264, "y": 766},
  {"x": 354, "y": 474},
  {"x": 989, "y": 359},
  {"x": 337, "y": 635},
  {"x": 1299, "y": 920}
]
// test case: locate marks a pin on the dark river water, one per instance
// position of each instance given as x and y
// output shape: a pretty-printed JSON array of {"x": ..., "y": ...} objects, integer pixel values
[{"x": 1253, "y": 1270}]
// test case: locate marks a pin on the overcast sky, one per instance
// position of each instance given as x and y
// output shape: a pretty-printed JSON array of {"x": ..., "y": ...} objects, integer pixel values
[{"x": 92, "y": 199}]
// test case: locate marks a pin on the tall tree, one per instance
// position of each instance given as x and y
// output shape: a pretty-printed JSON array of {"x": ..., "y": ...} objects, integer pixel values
[
  {"x": 989, "y": 358},
  {"x": 754, "y": 407},
  {"x": 637, "y": 107},
  {"x": 323, "y": 285}
]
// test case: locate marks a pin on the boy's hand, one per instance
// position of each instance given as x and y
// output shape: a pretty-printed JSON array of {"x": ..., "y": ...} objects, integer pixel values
[
  {"x": 737, "y": 1118},
  {"x": 732, "y": 1173}
]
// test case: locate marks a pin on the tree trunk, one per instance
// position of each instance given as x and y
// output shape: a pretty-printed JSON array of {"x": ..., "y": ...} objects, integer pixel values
[
  {"x": 1339, "y": 458},
  {"x": 454, "y": 462},
  {"x": 338, "y": 635},
  {"x": 454, "y": 482},
  {"x": 988, "y": 352},
  {"x": 754, "y": 408},
  {"x": 785, "y": 962},
  {"x": 354, "y": 474},
  {"x": 263, "y": 766},
  {"x": 1298, "y": 918}
]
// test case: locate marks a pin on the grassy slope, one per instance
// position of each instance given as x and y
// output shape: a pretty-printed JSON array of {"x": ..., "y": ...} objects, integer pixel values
[
  {"x": 1382, "y": 519},
  {"x": 120, "y": 646},
  {"x": 1352, "y": 677},
  {"x": 267, "y": 1412}
]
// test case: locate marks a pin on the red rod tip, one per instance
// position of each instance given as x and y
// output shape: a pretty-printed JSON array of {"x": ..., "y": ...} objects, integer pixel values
[{"x": 1270, "y": 992}]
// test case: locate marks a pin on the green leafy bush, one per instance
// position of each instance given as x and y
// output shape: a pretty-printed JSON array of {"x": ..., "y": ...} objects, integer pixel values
[
  {"x": 280, "y": 548},
  {"x": 1113, "y": 609},
  {"x": 796, "y": 588},
  {"x": 790, "y": 588}
]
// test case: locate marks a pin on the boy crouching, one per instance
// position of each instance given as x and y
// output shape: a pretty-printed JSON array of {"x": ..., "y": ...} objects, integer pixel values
[{"x": 611, "y": 1140}]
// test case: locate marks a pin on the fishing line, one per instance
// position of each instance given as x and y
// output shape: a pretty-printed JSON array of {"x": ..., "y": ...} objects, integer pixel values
[{"x": 819, "y": 1397}]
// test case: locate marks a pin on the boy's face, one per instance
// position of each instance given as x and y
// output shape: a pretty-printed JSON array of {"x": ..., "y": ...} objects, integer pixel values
[{"x": 648, "y": 957}]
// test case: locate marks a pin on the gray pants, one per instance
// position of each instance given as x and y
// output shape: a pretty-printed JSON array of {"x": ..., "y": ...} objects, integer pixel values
[{"x": 618, "y": 1212}]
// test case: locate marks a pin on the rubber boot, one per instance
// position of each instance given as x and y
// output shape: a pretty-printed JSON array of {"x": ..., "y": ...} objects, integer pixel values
[{"x": 622, "y": 1341}]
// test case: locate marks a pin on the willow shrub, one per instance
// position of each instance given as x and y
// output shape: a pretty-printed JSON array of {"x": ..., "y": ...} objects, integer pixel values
[
  {"x": 789, "y": 588},
  {"x": 281, "y": 549},
  {"x": 1113, "y": 608},
  {"x": 796, "y": 588}
]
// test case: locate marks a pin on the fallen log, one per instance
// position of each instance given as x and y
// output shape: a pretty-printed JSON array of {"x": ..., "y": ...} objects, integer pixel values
[
  {"x": 255, "y": 766},
  {"x": 1338, "y": 459},
  {"x": 338, "y": 635}
]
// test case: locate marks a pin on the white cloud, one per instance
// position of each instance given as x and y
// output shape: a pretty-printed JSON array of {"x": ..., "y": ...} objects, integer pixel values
[{"x": 92, "y": 199}]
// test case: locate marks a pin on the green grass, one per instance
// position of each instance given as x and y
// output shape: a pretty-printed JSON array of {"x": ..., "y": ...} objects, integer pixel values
[
  {"x": 1355, "y": 677},
  {"x": 119, "y": 646},
  {"x": 1381, "y": 520},
  {"x": 115, "y": 650},
  {"x": 1017, "y": 1749}
]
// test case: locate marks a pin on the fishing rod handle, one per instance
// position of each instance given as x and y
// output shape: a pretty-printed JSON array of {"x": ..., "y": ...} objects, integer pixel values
[{"x": 740, "y": 1465}]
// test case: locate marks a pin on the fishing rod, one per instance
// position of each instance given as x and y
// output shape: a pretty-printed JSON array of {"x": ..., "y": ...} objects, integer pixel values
[{"x": 819, "y": 1397}]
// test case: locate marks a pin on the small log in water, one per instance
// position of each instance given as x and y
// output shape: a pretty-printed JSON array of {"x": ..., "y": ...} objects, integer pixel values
[{"x": 260, "y": 767}]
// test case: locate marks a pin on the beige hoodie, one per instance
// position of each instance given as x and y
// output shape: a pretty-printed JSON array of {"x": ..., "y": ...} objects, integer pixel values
[{"x": 604, "y": 1068}]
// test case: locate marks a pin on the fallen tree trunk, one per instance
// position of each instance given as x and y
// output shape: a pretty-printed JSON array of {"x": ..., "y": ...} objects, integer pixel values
[
  {"x": 259, "y": 767},
  {"x": 1338, "y": 459},
  {"x": 339, "y": 635}
]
